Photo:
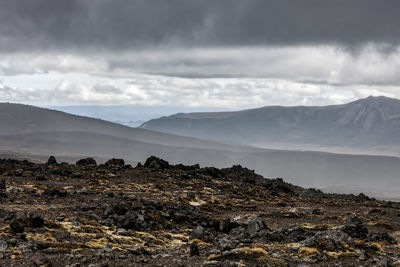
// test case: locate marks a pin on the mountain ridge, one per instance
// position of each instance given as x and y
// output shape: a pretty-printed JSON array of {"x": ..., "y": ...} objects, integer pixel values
[
  {"x": 369, "y": 122},
  {"x": 20, "y": 118}
]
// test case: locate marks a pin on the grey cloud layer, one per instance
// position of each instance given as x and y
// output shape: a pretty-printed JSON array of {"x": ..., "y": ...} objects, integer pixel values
[
  {"x": 307, "y": 64},
  {"x": 227, "y": 53},
  {"x": 127, "y": 24},
  {"x": 232, "y": 93}
]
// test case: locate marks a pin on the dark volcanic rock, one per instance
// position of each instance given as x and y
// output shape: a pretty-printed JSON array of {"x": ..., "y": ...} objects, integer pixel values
[
  {"x": 355, "y": 227},
  {"x": 213, "y": 172},
  {"x": 165, "y": 215},
  {"x": 22, "y": 216},
  {"x": 21, "y": 219},
  {"x": 255, "y": 224},
  {"x": 194, "y": 250},
  {"x": 331, "y": 240},
  {"x": 197, "y": 233},
  {"x": 314, "y": 193},
  {"x": 187, "y": 168},
  {"x": 378, "y": 237},
  {"x": 227, "y": 225},
  {"x": 252, "y": 229},
  {"x": 238, "y": 172},
  {"x": 52, "y": 161},
  {"x": 363, "y": 197},
  {"x": 63, "y": 171},
  {"x": 115, "y": 163},
  {"x": 156, "y": 163},
  {"x": 3, "y": 185},
  {"x": 36, "y": 220},
  {"x": 109, "y": 193},
  {"x": 86, "y": 162},
  {"x": 55, "y": 192},
  {"x": 278, "y": 186},
  {"x": 293, "y": 234},
  {"x": 16, "y": 226},
  {"x": 120, "y": 209}
]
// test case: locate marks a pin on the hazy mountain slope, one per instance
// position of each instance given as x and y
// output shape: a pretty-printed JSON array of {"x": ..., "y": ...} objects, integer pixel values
[
  {"x": 21, "y": 119},
  {"x": 86, "y": 144},
  {"x": 127, "y": 115},
  {"x": 312, "y": 169},
  {"x": 374, "y": 121}
]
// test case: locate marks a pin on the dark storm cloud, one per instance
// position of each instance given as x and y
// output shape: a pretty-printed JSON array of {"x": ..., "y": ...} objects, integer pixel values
[{"x": 131, "y": 24}]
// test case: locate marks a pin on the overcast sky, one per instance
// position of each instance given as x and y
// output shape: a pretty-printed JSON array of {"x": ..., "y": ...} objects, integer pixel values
[{"x": 210, "y": 53}]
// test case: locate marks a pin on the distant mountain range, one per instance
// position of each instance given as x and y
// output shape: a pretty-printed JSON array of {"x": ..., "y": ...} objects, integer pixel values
[
  {"x": 17, "y": 119},
  {"x": 370, "y": 123},
  {"x": 36, "y": 133},
  {"x": 132, "y": 116}
]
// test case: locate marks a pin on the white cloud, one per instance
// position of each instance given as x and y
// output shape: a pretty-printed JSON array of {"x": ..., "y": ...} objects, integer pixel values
[
  {"x": 213, "y": 77},
  {"x": 230, "y": 93}
]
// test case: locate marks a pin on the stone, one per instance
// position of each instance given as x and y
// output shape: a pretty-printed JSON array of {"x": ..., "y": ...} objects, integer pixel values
[
  {"x": 55, "y": 192},
  {"x": 52, "y": 161},
  {"x": 227, "y": 225},
  {"x": 115, "y": 163},
  {"x": 16, "y": 226},
  {"x": 292, "y": 234},
  {"x": 255, "y": 224},
  {"x": 379, "y": 237},
  {"x": 22, "y": 217},
  {"x": 156, "y": 163},
  {"x": 86, "y": 162},
  {"x": 197, "y": 233},
  {"x": 331, "y": 240},
  {"x": 3, "y": 185},
  {"x": 355, "y": 227},
  {"x": 37, "y": 220},
  {"x": 194, "y": 250},
  {"x": 109, "y": 193},
  {"x": 85, "y": 191}
]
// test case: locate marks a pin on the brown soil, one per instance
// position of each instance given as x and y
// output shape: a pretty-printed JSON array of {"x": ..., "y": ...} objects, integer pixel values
[{"x": 115, "y": 215}]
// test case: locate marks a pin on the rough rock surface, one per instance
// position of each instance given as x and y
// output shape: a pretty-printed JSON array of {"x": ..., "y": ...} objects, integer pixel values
[{"x": 158, "y": 214}]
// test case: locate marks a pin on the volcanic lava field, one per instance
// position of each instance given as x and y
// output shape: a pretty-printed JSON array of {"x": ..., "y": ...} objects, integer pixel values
[{"x": 157, "y": 214}]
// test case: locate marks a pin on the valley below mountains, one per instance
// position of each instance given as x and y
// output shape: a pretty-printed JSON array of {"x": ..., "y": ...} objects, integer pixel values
[{"x": 32, "y": 133}]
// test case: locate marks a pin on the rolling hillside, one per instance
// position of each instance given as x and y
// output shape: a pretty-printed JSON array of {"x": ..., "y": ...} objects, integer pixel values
[{"x": 368, "y": 123}]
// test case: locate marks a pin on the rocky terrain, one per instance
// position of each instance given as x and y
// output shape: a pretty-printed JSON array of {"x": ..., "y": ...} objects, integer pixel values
[{"x": 157, "y": 214}]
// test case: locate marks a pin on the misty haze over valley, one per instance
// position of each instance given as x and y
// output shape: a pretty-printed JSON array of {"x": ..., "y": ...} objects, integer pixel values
[{"x": 31, "y": 132}]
